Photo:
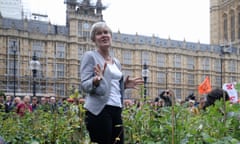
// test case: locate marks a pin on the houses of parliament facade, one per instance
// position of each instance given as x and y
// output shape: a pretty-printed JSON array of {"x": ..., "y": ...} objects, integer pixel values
[{"x": 172, "y": 64}]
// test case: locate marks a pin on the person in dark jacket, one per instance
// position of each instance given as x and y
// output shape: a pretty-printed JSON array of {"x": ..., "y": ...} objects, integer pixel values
[
  {"x": 215, "y": 94},
  {"x": 8, "y": 104},
  {"x": 167, "y": 97}
]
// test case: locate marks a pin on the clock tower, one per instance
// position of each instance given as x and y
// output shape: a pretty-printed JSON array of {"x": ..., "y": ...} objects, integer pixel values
[{"x": 81, "y": 14}]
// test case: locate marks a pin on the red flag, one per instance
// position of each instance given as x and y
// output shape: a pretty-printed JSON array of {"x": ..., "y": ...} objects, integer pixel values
[{"x": 205, "y": 86}]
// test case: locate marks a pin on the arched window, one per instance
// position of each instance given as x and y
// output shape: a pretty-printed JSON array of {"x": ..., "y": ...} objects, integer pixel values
[
  {"x": 232, "y": 25},
  {"x": 225, "y": 25},
  {"x": 238, "y": 24}
]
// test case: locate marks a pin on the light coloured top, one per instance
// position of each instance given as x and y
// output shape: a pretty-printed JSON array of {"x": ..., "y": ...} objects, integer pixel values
[
  {"x": 97, "y": 97},
  {"x": 115, "y": 96}
]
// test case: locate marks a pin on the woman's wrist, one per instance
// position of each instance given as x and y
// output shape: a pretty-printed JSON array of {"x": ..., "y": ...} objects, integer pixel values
[{"x": 97, "y": 80}]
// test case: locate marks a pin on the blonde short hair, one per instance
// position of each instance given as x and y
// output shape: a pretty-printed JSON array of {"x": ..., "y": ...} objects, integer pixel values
[{"x": 97, "y": 26}]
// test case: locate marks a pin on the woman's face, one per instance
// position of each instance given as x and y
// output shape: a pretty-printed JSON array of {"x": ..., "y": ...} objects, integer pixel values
[
  {"x": 26, "y": 99},
  {"x": 103, "y": 38}
]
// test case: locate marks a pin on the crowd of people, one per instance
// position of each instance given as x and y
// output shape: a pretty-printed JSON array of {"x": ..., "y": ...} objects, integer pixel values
[
  {"x": 22, "y": 105},
  {"x": 193, "y": 103}
]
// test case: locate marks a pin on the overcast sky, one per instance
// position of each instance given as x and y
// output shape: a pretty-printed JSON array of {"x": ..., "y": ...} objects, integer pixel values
[{"x": 177, "y": 19}]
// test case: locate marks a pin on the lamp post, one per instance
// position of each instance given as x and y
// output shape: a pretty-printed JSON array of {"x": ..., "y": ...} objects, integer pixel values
[
  {"x": 225, "y": 49},
  {"x": 14, "y": 48},
  {"x": 166, "y": 78},
  {"x": 221, "y": 70},
  {"x": 34, "y": 66},
  {"x": 145, "y": 74}
]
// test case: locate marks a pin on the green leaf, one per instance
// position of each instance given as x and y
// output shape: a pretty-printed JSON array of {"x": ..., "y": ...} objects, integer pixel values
[{"x": 237, "y": 87}]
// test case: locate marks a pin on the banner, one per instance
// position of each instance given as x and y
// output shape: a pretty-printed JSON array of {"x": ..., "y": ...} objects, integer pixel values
[
  {"x": 205, "y": 86},
  {"x": 232, "y": 92}
]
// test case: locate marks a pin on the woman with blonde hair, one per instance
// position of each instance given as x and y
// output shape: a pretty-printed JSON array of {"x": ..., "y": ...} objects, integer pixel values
[{"x": 103, "y": 81}]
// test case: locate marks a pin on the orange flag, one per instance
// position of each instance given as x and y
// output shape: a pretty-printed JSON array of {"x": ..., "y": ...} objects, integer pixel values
[{"x": 205, "y": 86}]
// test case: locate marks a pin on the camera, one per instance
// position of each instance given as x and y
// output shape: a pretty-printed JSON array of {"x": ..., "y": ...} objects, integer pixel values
[{"x": 190, "y": 97}]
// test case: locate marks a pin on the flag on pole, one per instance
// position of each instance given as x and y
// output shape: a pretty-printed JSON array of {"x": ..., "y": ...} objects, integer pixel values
[{"x": 205, "y": 86}]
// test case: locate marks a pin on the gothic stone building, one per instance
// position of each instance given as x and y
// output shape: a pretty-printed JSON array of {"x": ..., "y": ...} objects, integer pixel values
[{"x": 172, "y": 64}]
